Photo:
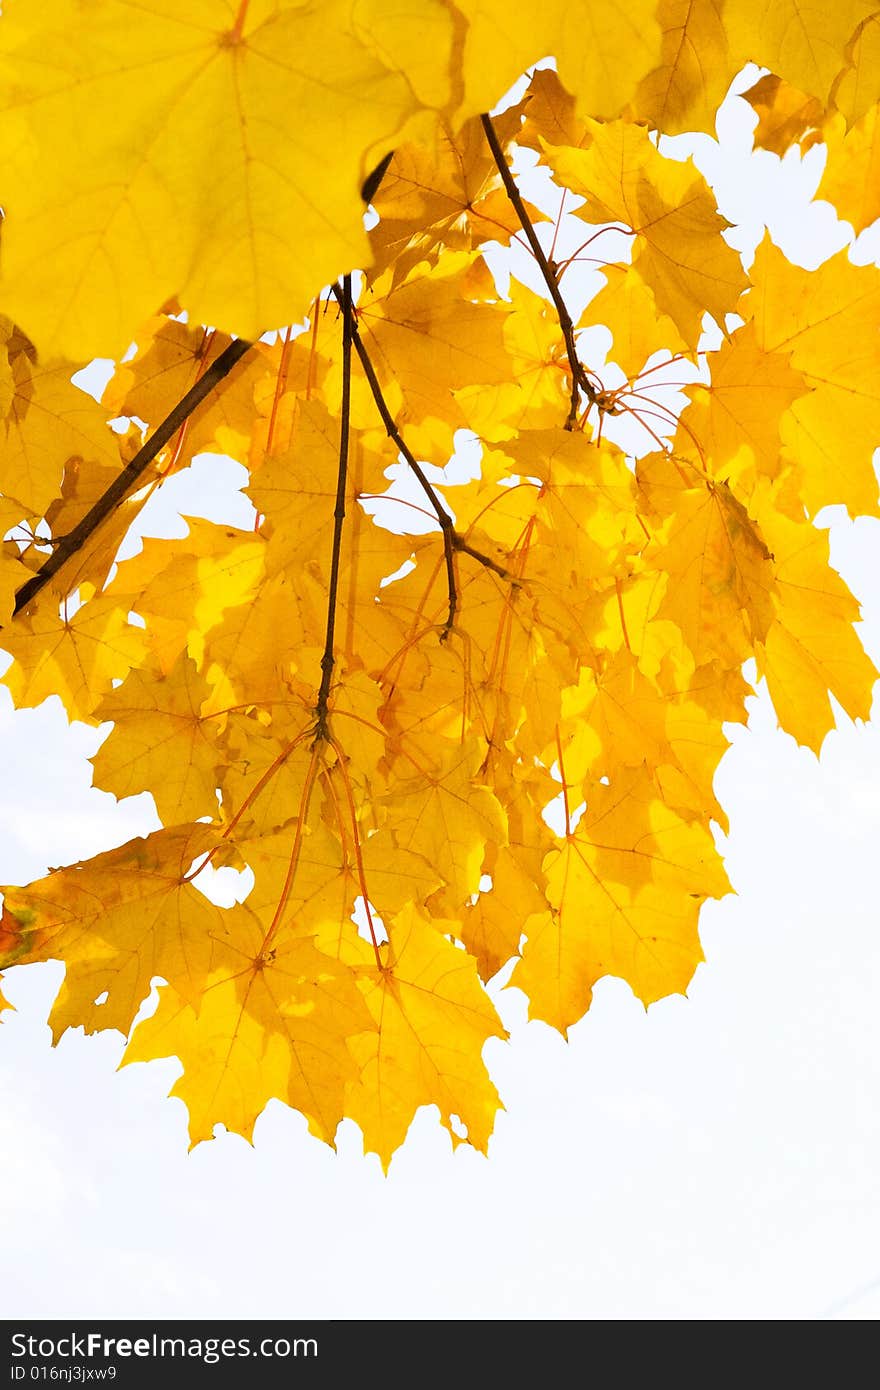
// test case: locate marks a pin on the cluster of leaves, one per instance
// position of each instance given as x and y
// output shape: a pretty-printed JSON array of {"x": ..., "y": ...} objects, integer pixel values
[{"x": 376, "y": 722}]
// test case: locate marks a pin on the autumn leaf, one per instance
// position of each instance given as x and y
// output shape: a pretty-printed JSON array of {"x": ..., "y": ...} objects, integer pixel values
[
  {"x": 119, "y": 920},
  {"x": 133, "y": 212},
  {"x": 678, "y": 252},
  {"x": 827, "y": 322},
  {"x": 432, "y": 1019}
]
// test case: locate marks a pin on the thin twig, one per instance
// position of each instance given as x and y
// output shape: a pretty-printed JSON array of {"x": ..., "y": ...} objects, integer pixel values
[
  {"x": 579, "y": 379},
  {"x": 327, "y": 659},
  {"x": 452, "y": 540},
  {"x": 123, "y": 483}
]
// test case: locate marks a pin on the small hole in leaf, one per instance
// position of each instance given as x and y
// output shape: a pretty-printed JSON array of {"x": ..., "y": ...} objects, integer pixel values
[{"x": 362, "y": 920}]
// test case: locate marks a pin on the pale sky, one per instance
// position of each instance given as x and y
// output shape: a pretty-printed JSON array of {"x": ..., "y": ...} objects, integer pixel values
[{"x": 715, "y": 1157}]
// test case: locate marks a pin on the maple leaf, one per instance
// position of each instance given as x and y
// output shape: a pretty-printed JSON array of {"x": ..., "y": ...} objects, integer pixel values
[
  {"x": 785, "y": 116},
  {"x": 802, "y": 43},
  {"x": 827, "y": 322},
  {"x": 117, "y": 921},
  {"x": 293, "y": 1008},
  {"x": 678, "y": 252},
  {"x": 454, "y": 694},
  {"x": 432, "y": 1019},
  {"x": 624, "y": 892},
  {"x": 244, "y": 195},
  {"x": 687, "y": 87},
  {"x": 852, "y": 169},
  {"x": 161, "y": 742}
]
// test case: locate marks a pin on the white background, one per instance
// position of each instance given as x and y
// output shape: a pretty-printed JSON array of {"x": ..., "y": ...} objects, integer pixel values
[{"x": 715, "y": 1157}]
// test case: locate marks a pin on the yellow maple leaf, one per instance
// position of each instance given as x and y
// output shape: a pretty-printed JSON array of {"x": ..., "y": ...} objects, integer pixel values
[
  {"x": 117, "y": 921},
  {"x": 722, "y": 573},
  {"x": 686, "y": 89},
  {"x": 432, "y": 1019},
  {"x": 491, "y": 928},
  {"x": 803, "y": 42},
  {"x": 587, "y": 45},
  {"x": 810, "y": 650},
  {"x": 735, "y": 420},
  {"x": 613, "y": 718},
  {"x": 171, "y": 358},
  {"x": 73, "y": 649},
  {"x": 851, "y": 178},
  {"x": 181, "y": 595},
  {"x": 448, "y": 818},
  {"x": 627, "y": 307},
  {"x": 826, "y": 320},
  {"x": 679, "y": 250},
  {"x": 536, "y": 394},
  {"x": 199, "y": 186},
  {"x": 855, "y": 88},
  {"x": 161, "y": 743},
  {"x": 291, "y": 1010},
  {"x": 427, "y": 340},
  {"x": 47, "y": 425},
  {"x": 447, "y": 196},
  {"x": 625, "y": 889}
]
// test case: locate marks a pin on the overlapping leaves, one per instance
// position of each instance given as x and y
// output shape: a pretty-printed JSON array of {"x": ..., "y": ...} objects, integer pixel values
[{"x": 473, "y": 723}]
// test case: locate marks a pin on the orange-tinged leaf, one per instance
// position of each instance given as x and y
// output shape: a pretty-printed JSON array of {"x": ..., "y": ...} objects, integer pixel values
[
  {"x": 432, "y": 1019},
  {"x": 118, "y": 920},
  {"x": 785, "y": 116}
]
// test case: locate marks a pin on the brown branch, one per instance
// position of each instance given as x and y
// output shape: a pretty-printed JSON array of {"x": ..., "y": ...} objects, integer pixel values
[
  {"x": 447, "y": 525},
  {"x": 327, "y": 660},
  {"x": 68, "y": 545},
  {"x": 579, "y": 379}
]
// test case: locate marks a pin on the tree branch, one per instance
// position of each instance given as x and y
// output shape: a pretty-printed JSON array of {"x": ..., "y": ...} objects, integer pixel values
[
  {"x": 327, "y": 659},
  {"x": 452, "y": 540},
  {"x": 579, "y": 379},
  {"x": 68, "y": 545}
]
